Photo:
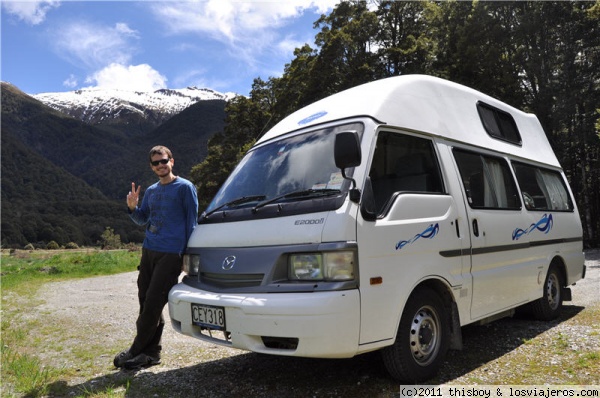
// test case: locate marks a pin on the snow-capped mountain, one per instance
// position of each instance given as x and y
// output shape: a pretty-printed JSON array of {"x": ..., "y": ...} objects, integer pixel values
[{"x": 113, "y": 106}]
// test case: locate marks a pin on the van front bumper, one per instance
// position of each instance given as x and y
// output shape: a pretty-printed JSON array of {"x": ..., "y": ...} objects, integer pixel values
[{"x": 323, "y": 324}]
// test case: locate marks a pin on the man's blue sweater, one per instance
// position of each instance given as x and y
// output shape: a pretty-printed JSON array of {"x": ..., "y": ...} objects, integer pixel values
[{"x": 171, "y": 212}]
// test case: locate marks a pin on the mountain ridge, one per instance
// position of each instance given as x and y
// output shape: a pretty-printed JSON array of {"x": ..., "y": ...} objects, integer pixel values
[{"x": 132, "y": 112}]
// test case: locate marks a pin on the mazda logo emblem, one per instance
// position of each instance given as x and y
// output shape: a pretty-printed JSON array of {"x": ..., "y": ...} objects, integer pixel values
[{"x": 228, "y": 263}]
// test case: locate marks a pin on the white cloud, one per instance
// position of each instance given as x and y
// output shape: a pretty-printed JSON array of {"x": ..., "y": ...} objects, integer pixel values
[
  {"x": 246, "y": 28},
  {"x": 133, "y": 78},
  {"x": 32, "y": 12},
  {"x": 70, "y": 82},
  {"x": 94, "y": 46},
  {"x": 121, "y": 27},
  {"x": 324, "y": 6},
  {"x": 108, "y": 52},
  {"x": 234, "y": 20},
  {"x": 200, "y": 78},
  {"x": 288, "y": 44},
  {"x": 195, "y": 77}
]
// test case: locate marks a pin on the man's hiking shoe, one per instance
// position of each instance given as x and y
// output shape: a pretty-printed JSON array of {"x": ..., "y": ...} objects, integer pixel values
[
  {"x": 141, "y": 361},
  {"x": 121, "y": 358}
]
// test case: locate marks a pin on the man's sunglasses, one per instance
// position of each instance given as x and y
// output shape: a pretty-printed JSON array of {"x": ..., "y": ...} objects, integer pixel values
[{"x": 162, "y": 161}]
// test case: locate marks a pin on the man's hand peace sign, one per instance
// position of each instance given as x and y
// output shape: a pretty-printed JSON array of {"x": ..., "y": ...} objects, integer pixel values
[{"x": 133, "y": 197}]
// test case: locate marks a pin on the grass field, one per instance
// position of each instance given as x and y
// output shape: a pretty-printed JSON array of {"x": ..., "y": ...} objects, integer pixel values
[{"x": 23, "y": 272}]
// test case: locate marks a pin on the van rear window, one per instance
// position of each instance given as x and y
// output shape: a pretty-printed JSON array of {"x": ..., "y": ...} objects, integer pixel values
[
  {"x": 498, "y": 124},
  {"x": 542, "y": 189}
]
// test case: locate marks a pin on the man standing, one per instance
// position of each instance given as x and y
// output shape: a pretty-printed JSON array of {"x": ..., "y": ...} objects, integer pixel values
[{"x": 170, "y": 211}]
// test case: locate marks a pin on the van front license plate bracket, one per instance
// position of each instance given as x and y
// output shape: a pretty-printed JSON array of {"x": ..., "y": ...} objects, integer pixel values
[{"x": 208, "y": 316}]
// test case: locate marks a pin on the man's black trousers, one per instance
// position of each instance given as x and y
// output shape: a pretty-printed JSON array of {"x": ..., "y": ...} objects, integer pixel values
[{"x": 159, "y": 272}]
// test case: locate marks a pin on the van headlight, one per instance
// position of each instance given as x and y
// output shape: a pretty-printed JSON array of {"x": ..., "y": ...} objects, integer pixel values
[
  {"x": 191, "y": 264},
  {"x": 326, "y": 266}
]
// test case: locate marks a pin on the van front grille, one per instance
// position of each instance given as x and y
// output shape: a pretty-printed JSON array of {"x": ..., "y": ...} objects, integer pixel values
[{"x": 224, "y": 281}]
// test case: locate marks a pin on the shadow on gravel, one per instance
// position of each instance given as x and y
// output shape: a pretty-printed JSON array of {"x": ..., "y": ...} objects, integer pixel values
[
  {"x": 256, "y": 375},
  {"x": 485, "y": 343}
]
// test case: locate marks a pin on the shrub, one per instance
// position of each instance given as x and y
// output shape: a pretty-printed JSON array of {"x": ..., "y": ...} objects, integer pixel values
[
  {"x": 72, "y": 245},
  {"x": 52, "y": 245},
  {"x": 110, "y": 240},
  {"x": 29, "y": 246}
]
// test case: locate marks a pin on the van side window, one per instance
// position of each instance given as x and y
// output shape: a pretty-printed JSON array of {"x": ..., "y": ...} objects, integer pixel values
[
  {"x": 487, "y": 180},
  {"x": 498, "y": 124},
  {"x": 542, "y": 189},
  {"x": 403, "y": 163}
]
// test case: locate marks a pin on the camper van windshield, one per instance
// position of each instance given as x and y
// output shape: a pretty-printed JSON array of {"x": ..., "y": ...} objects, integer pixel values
[{"x": 296, "y": 168}]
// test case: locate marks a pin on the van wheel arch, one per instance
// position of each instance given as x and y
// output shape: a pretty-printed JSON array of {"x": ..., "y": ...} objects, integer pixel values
[
  {"x": 450, "y": 309},
  {"x": 423, "y": 336},
  {"x": 560, "y": 263},
  {"x": 549, "y": 306}
]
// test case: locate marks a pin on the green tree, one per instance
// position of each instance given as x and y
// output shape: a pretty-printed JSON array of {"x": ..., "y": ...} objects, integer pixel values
[
  {"x": 247, "y": 119},
  {"x": 293, "y": 90},
  {"x": 347, "y": 50},
  {"x": 558, "y": 49},
  {"x": 473, "y": 46},
  {"x": 404, "y": 38}
]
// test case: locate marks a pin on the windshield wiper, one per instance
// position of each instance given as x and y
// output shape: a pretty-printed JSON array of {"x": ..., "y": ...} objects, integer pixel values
[
  {"x": 235, "y": 202},
  {"x": 297, "y": 194}
]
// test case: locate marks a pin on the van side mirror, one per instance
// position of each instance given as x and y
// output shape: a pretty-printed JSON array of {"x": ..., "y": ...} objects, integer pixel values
[
  {"x": 347, "y": 150},
  {"x": 347, "y": 154}
]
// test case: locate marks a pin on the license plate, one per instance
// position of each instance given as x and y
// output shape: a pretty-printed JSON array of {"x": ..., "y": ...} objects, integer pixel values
[{"x": 208, "y": 316}]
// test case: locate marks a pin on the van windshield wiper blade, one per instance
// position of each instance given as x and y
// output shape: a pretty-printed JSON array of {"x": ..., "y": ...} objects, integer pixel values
[
  {"x": 297, "y": 194},
  {"x": 235, "y": 202}
]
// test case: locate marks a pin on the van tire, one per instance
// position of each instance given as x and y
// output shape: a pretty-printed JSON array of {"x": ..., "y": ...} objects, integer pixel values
[
  {"x": 421, "y": 341},
  {"x": 549, "y": 306}
]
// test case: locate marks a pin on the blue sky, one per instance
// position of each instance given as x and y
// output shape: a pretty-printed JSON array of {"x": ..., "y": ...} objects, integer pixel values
[{"x": 53, "y": 46}]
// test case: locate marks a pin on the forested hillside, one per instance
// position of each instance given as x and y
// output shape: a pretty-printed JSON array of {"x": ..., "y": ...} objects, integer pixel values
[
  {"x": 188, "y": 133},
  {"x": 542, "y": 57},
  {"x": 41, "y": 202}
]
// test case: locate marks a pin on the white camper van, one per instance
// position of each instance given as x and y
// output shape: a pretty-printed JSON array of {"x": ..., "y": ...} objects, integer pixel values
[{"x": 384, "y": 217}]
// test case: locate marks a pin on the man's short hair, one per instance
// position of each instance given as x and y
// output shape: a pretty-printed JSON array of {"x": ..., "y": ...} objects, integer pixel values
[{"x": 160, "y": 150}]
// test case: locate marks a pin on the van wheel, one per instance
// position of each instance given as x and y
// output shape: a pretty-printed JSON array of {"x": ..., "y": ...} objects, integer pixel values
[
  {"x": 422, "y": 339},
  {"x": 548, "y": 307}
]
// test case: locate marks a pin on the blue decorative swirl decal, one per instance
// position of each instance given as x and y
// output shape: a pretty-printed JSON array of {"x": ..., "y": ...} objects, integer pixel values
[
  {"x": 429, "y": 233},
  {"x": 544, "y": 225}
]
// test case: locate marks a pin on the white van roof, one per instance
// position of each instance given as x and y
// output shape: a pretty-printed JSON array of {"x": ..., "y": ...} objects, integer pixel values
[{"x": 426, "y": 104}]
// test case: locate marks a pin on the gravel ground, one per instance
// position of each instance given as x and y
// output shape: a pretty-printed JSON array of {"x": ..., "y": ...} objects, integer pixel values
[{"x": 100, "y": 312}]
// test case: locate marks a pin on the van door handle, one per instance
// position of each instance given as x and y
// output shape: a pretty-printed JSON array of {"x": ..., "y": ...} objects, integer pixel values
[{"x": 475, "y": 228}]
